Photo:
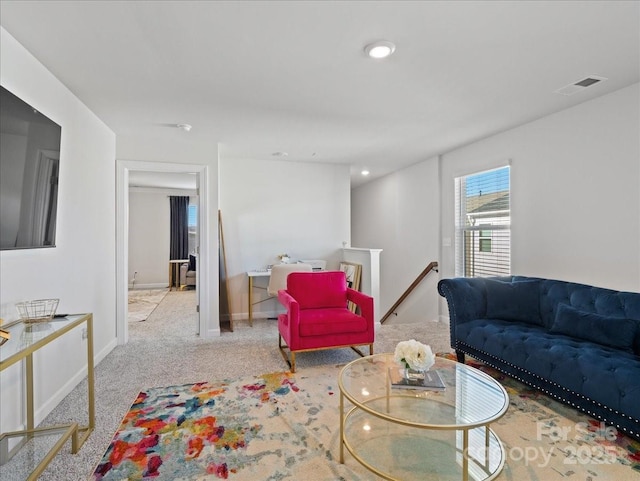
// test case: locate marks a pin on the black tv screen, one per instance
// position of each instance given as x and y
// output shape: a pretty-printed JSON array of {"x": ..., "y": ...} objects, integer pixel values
[{"x": 29, "y": 165}]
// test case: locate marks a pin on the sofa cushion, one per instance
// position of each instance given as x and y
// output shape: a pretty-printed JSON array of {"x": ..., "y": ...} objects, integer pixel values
[
  {"x": 192, "y": 262},
  {"x": 516, "y": 301},
  {"x": 603, "y": 374},
  {"x": 608, "y": 331},
  {"x": 320, "y": 322}
]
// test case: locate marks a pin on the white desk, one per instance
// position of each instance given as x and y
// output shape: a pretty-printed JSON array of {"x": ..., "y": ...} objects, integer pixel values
[{"x": 251, "y": 275}]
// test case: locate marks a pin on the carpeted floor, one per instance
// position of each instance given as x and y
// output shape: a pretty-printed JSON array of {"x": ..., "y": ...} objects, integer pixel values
[
  {"x": 164, "y": 351},
  {"x": 284, "y": 426}
]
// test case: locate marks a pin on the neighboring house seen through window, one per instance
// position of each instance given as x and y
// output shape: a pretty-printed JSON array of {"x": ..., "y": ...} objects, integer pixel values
[{"x": 483, "y": 224}]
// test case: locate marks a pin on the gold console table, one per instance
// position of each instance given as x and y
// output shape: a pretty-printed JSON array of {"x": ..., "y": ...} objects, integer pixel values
[{"x": 26, "y": 339}]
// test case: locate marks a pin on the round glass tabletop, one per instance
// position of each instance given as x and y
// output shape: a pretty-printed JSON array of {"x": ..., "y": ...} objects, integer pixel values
[{"x": 471, "y": 398}]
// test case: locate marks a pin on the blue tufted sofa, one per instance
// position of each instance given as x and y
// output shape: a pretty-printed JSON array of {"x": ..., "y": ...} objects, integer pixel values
[{"x": 577, "y": 343}]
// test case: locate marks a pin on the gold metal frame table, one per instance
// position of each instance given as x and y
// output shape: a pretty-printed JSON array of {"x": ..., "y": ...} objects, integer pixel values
[
  {"x": 418, "y": 434},
  {"x": 26, "y": 339},
  {"x": 250, "y": 303}
]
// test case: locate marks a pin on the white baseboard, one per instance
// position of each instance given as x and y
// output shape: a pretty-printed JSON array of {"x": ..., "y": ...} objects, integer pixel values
[
  {"x": 157, "y": 285},
  {"x": 211, "y": 333},
  {"x": 44, "y": 410},
  {"x": 243, "y": 316}
]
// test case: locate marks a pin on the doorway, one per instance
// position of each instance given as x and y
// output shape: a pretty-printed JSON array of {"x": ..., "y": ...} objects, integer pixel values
[{"x": 124, "y": 170}]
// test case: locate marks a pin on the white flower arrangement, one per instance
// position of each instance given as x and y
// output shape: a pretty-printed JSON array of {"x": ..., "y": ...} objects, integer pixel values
[{"x": 414, "y": 355}]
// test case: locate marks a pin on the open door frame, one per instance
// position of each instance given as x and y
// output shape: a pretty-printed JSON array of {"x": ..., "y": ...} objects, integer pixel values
[{"x": 123, "y": 167}]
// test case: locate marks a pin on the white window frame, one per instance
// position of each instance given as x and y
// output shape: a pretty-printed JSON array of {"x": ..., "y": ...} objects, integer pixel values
[{"x": 476, "y": 217}]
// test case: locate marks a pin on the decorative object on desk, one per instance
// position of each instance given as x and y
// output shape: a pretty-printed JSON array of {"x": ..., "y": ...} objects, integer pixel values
[
  {"x": 4, "y": 336},
  {"x": 352, "y": 271},
  {"x": 39, "y": 310},
  {"x": 316, "y": 264},
  {"x": 284, "y": 258},
  {"x": 407, "y": 378},
  {"x": 414, "y": 355}
]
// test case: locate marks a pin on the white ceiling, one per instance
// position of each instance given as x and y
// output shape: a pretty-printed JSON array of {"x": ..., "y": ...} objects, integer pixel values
[{"x": 264, "y": 77}]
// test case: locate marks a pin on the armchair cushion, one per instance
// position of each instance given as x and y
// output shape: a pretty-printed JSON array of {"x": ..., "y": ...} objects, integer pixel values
[
  {"x": 329, "y": 289},
  {"x": 320, "y": 322}
]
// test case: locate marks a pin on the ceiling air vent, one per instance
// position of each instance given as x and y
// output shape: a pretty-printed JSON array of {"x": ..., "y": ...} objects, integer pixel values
[{"x": 580, "y": 85}]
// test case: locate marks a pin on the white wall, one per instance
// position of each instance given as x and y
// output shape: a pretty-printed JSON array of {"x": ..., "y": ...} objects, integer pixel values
[
  {"x": 149, "y": 217},
  {"x": 399, "y": 213},
  {"x": 575, "y": 203},
  {"x": 575, "y": 200},
  {"x": 149, "y": 234},
  {"x": 269, "y": 208},
  {"x": 80, "y": 269}
]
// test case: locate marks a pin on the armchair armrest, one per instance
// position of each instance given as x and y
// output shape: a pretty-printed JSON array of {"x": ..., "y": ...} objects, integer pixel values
[
  {"x": 363, "y": 301},
  {"x": 291, "y": 305}
]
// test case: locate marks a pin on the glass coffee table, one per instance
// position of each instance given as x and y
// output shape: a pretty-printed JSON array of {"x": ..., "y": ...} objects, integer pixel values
[{"x": 416, "y": 434}]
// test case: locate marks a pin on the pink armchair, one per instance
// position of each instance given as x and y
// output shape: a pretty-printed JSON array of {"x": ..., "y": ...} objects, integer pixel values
[{"x": 317, "y": 316}]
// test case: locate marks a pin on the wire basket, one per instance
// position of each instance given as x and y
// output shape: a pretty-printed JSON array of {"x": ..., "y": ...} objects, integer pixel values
[{"x": 40, "y": 310}]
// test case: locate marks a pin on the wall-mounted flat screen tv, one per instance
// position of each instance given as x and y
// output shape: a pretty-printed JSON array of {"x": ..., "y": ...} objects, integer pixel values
[{"x": 29, "y": 165}]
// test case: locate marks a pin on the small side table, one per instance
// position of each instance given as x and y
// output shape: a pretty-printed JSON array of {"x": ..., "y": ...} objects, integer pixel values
[
  {"x": 174, "y": 272},
  {"x": 26, "y": 340}
]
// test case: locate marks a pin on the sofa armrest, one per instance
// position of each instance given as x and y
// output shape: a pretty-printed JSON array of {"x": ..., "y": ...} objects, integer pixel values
[
  {"x": 363, "y": 301},
  {"x": 466, "y": 298}
]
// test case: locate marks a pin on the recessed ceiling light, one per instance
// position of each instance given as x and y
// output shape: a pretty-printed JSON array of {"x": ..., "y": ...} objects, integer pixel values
[
  {"x": 365, "y": 172},
  {"x": 185, "y": 127},
  {"x": 380, "y": 49}
]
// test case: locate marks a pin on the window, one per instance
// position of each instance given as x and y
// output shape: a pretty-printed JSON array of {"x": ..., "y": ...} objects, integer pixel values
[
  {"x": 484, "y": 245},
  {"x": 192, "y": 219},
  {"x": 483, "y": 224}
]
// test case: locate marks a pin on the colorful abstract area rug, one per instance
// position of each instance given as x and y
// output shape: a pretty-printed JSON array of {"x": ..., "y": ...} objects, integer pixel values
[
  {"x": 284, "y": 426},
  {"x": 142, "y": 302},
  {"x": 249, "y": 429}
]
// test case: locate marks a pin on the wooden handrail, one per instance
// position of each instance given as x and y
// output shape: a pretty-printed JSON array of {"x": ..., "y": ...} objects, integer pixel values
[{"x": 432, "y": 266}]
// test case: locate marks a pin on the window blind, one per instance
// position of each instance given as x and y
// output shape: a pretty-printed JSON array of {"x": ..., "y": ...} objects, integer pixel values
[{"x": 483, "y": 223}]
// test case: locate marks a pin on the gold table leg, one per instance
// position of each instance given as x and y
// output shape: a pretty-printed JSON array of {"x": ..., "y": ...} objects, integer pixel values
[
  {"x": 250, "y": 301},
  {"x": 341, "y": 428}
]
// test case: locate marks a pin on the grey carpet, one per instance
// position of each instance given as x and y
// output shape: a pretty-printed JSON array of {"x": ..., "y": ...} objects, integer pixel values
[{"x": 164, "y": 350}]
